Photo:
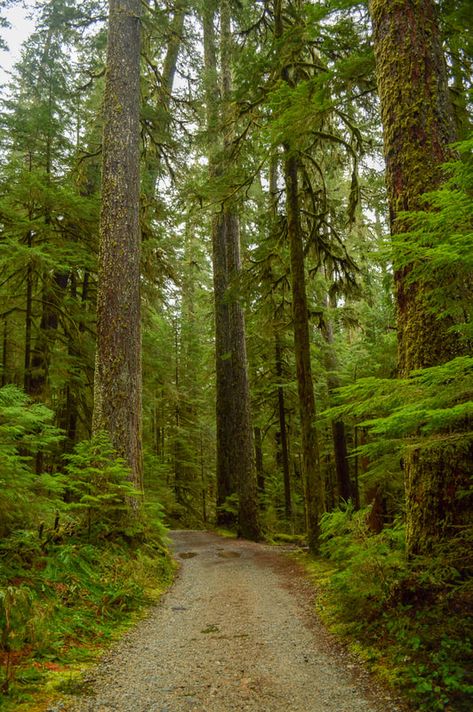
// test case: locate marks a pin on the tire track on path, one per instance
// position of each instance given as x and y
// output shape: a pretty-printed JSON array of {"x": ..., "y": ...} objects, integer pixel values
[{"x": 235, "y": 633}]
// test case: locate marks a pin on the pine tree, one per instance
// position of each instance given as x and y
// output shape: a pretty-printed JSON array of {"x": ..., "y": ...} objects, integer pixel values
[
  {"x": 117, "y": 388},
  {"x": 411, "y": 71}
]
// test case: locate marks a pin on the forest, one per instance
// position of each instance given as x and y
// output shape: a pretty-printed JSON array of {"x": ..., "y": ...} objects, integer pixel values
[{"x": 236, "y": 293}]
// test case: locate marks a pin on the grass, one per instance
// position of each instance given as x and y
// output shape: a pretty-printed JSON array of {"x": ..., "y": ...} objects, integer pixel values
[{"x": 65, "y": 607}]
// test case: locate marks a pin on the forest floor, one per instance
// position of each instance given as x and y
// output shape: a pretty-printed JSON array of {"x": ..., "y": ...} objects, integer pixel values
[{"x": 236, "y": 632}]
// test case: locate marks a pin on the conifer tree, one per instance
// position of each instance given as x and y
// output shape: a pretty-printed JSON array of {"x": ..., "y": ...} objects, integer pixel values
[
  {"x": 117, "y": 388},
  {"x": 411, "y": 71},
  {"x": 235, "y": 455}
]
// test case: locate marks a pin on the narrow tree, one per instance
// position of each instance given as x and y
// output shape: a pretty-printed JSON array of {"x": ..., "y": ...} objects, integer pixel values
[
  {"x": 313, "y": 483},
  {"x": 117, "y": 406},
  {"x": 226, "y": 481}
]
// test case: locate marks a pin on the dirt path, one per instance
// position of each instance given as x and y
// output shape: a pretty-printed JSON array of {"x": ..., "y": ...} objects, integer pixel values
[{"x": 234, "y": 633}]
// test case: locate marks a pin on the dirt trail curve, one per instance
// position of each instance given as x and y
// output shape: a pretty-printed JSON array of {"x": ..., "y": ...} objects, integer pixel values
[{"x": 235, "y": 633}]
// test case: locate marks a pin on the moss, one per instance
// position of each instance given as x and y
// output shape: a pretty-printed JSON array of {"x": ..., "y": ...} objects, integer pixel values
[{"x": 418, "y": 126}]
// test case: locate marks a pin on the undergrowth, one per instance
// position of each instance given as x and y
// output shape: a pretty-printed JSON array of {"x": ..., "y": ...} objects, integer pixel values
[
  {"x": 78, "y": 561},
  {"x": 410, "y": 621}
]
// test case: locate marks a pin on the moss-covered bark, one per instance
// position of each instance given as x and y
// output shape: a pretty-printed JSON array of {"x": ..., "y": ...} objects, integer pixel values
[
  {"x": 242, "y": 449},
  {"x": 117, "y": 392},
  {"x": 226, "y": 482},
  {"x": 314, "y": 485},
  {"x": 313, "y": 482},
  {"x": 236, "y": 472},
  {"x": 418, "y": 126}
]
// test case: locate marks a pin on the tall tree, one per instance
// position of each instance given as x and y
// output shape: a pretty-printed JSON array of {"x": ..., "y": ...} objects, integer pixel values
[
  {"x": 314, "y": 486},
  {"x": 117, "y": 387},
  {"x": 236, "y": 471},
  {"x": 226, "y": 481},
  {"x": 418, "y": 127},
  {"x": 242, "y": 445}
]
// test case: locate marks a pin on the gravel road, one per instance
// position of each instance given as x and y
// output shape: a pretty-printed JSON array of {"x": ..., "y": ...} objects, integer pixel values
[{"x": 235, "y": 633}]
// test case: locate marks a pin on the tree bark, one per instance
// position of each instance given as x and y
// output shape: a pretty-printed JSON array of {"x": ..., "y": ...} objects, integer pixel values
[
  {"x": 282, "y": 438},
  {"x": 117, "y": 387},
  {"x": 283, "y": 431},
  {"x": 40, "y": 357},
  {"x": 235, "y": 460},
  {"x": 243, "y": 451},
  {"x": 226, "y": 482},
  {"x": 313, "y": 481},
  {"x": 260, "y": 479},
  {"x": 418, "y": 126},
  {"x": 338, "y": 426}
]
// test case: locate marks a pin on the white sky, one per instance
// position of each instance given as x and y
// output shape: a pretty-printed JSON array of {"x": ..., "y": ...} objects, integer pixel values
[{"x": 14, "y": 36}]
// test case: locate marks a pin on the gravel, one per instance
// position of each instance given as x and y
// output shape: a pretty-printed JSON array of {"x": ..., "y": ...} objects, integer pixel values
[{"x": 236, "y": 632}]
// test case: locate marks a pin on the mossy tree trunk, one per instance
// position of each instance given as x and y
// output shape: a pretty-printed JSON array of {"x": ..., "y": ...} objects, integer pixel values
[
  {"x": 314, "y": 485},
  {"x": 313, "y": 481},
  {"x": 242, "y": 459},
  {"x": 226, "y": 481},
  {"x": 340, "y": 449},
  {"x": 283, "y": 437},
  {"x": 418, "y": 126},
  {"x": 236, "y": 472},
  {"x": 117, "y": 386}
]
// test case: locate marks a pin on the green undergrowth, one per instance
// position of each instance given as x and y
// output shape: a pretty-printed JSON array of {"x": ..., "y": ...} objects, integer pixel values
[
  {"x": 409, "y": 622},
  {"x": 59, "y": 609},
  {"x": 81, "y": 554},
  {"x": 226, "y": 533}
]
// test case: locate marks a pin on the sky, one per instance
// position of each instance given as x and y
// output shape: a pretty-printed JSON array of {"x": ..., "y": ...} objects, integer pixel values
[{"x": 14, "y": 36}]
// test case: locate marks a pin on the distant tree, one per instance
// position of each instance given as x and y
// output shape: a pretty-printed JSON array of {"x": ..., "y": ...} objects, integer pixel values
[{"x": 236, "y": 473}]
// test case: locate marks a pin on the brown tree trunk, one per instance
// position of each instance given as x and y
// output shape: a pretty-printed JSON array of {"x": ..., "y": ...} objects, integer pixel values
[
  {"x": 226, "y": 481},
  {"x": 235, "y": 460},
  {"x": 283, "y": 432},
  {"x": 282, "y": 438},
  {"x": 338, "y": 426},
  {"x": 40, "y": 358},
  {"x": 259, "y": 460},
  {"x": 117, "y": 387},
  {"x": 313, "y": 481},
  {"x": 243, "y": 453},
  {"x": 28, "y": 321},
  {"x": 418, "y": 127}
]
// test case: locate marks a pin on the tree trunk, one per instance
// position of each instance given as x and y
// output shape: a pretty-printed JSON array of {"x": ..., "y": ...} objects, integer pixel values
[
  {"x": 117, "y": 396},
  {"x": 259, "y": 460},
  {"x": 283, "y": 432},
  {"x": 282, "y": 442},
  {"x": 243, "y": 453},
  {"x": 235, "y": 461},
  {"x": 418, "y": 127},
  {"x": 28, "y": 320},
  {"x": 338, "y": 426},
  {"x": 40, "y": 358},
  {"x": 313, "y": 482},
  {"x": 226, "y": 483}
]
